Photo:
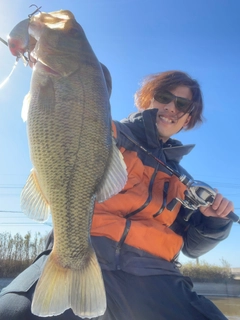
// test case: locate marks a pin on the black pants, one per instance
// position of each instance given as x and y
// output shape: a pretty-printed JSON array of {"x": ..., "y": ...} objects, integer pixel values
[{"x": 129, "y": 297}]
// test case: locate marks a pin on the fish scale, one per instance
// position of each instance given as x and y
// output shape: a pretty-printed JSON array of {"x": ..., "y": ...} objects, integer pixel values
[{"x": 74, "y": 159}]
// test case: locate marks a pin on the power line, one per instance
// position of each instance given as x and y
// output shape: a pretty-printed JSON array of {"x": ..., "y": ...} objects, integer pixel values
[
  {"x": 6, "y": 211},
  {"x": 27, "y": 224},
  {"x": 11, "y": 187}
]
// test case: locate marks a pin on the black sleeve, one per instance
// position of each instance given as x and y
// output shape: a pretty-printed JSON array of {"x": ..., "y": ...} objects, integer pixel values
[
  {"x": 200, "y": 234},
  {"x": 49, "y": 239}
]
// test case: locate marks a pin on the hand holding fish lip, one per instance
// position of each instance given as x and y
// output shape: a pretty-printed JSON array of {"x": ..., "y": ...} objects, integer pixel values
[
  {"x": 42, "y": 27},
  {"x": 24, "y": 37}
]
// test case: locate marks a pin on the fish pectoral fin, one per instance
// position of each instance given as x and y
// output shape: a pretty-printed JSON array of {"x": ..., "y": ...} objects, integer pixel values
[
  {"x": 81, "y": 289},
  {"x": 115, "y": 177},
  {"x": 25, "y": 107},
  {"x": 46, "y": 99},
  {"x": 46, "y": 96},
  {"x": 33, "y": 202}
]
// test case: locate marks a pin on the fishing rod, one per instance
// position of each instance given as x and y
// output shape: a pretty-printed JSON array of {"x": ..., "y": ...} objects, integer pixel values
[
  {"x": 3, "y": 41},
  {"x": 197, "y": 194}
]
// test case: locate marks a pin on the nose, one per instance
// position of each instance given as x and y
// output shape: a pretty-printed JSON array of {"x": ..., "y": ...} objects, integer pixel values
[{"x": 170, "y": 107}]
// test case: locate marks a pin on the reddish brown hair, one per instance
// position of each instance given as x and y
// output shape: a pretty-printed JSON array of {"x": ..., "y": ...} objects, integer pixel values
[{"x": 169, "y": 81}]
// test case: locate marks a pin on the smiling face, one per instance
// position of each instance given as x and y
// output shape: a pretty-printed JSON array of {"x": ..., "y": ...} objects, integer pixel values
[{"x": 169, "y": 120}]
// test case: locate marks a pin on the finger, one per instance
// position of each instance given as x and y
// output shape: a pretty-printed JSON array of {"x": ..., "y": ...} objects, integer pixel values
[
  {"x": 224, "y": 208},
  {"x": 217, "y": 201},
  {"x": 229, "y": 208}
]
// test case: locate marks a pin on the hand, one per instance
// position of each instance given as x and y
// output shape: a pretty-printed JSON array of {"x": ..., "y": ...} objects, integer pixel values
[{"x": 220, "y": 208}]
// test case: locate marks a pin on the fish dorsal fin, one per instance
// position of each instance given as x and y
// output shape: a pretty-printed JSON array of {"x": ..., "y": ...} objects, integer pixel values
[
  {"x": 115, "y": 176},
  {"x": 33, "y": 202}
]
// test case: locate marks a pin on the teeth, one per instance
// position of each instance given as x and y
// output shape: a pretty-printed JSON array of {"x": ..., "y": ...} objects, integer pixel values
[{"x": 167, "y": 119}]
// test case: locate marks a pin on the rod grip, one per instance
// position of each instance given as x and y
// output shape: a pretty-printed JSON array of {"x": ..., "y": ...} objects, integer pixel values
[{"x": 232, "y": 216}]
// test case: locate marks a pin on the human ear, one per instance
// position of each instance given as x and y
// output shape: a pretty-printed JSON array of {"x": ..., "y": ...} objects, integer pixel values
[{"x": 187, "y": 121}]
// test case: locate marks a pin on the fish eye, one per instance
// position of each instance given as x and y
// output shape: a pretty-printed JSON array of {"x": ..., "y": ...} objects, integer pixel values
[{"x": 73, "y": 32}]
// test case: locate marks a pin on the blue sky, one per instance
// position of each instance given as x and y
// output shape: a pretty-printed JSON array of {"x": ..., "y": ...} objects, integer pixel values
[{"x": 135, "y": 38}]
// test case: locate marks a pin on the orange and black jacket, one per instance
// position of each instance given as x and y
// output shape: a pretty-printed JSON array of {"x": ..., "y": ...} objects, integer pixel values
[{"x": 136, "y": 222}]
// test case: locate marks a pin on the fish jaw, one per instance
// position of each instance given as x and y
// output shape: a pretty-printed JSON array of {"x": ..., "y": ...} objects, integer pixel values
[
  {"x": 59, "y": 40},
  {"x": 47, "y": 35}
]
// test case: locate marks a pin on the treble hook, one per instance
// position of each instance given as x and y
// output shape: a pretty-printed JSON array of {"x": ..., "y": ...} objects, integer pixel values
[
  {"x": 37, "y": 10},
  {"x": 24, "y": 59}
]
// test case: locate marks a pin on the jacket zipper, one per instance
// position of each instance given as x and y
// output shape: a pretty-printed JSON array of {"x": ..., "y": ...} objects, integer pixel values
[
  {"x": 165, "y": 191},
  {"x": 149, "y": 195},
  {"x": 120, "y": 243}
]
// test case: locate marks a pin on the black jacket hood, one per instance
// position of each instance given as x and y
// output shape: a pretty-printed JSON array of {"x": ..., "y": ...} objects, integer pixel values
[{"x": 143, "y": 127}]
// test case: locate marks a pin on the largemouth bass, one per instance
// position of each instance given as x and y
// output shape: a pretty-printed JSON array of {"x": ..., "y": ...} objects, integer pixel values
[{"x": 75, "y": 160}]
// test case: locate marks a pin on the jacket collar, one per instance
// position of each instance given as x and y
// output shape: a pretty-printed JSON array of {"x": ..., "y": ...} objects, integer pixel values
[{"x": 143, "y": 127}]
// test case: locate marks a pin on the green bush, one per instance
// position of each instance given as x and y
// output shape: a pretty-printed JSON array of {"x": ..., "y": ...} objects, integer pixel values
[
  {"x": 17, "y": 252},
  {"x": 205, "y": 272}
]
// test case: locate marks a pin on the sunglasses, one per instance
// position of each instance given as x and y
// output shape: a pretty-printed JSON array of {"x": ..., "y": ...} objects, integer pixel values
[{"x": 182, "y": 104}]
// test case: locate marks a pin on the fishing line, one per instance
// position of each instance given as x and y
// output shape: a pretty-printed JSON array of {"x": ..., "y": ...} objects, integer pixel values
[
  {"x": 5, "y": 81},
  {"x": 13, "y": 68}
]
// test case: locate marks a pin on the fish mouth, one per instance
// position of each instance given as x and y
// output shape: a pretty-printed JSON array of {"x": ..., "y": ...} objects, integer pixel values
[{"x": 40, "y": 66}]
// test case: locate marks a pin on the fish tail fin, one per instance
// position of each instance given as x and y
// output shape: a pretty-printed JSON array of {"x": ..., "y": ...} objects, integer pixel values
[{"x": 59, "y": 289}]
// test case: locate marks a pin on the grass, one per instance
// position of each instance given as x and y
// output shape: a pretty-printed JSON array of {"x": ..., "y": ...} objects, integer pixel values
[
  {"x": 17, "y": 253},
  {"x": 205, "y": 272}
]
